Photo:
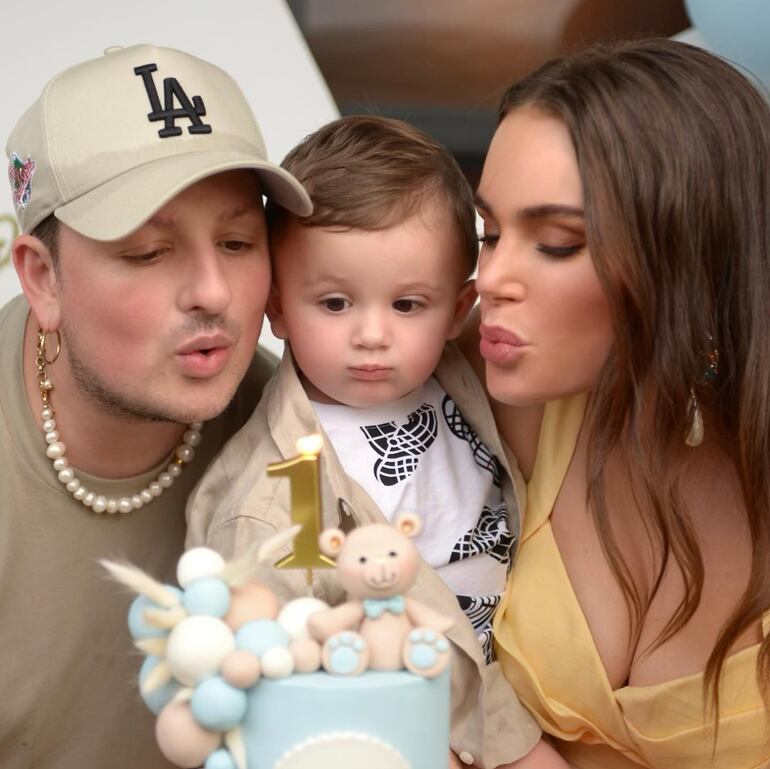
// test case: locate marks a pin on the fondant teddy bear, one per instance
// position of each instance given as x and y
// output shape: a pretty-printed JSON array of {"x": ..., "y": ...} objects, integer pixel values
[{"x": 379, "y": 628}]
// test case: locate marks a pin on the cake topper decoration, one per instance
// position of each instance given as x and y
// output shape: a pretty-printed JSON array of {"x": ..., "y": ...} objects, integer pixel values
[
  {"x": 379, "y": 628},
  {"x": 303, "y": 473}
]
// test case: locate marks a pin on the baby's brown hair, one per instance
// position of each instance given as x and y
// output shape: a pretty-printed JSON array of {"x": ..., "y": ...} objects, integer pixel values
[{"x": 369, "y": 173}]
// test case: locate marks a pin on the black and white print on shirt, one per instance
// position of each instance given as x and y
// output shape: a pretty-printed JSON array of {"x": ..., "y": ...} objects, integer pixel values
[
  {"x": 481, "y": 454},
  {"x": 479, "y": 609},
  {"x": 401, "y": 446},
  {"x": 490, "y": 535}
]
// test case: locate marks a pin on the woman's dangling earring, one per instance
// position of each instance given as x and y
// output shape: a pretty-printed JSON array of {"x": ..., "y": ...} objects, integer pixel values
[{"x": 694, "y": 435}]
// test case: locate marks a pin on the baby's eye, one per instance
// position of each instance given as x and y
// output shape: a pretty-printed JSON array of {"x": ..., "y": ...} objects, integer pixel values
[
  {"x": 407, "y": 306},
  {"x": 393, "y": 554},
  {"x": 362, "y": 559},
  {"x": 335, "y": 304}
]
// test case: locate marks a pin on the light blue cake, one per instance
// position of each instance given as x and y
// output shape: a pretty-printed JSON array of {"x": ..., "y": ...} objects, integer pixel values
[
  {"x": 230, "y": 689},
  {"x": 293, "y": 721}
]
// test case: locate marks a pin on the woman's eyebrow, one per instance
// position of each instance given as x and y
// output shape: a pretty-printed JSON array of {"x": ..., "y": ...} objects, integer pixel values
[
  {"x": 542, "y": 211},
  {"x": 549, "y": 210}
]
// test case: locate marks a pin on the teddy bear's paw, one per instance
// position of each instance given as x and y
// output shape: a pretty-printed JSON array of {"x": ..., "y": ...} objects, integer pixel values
[
  {"x": 345, "y": 654},
  {"x": 426, "y": 652}
]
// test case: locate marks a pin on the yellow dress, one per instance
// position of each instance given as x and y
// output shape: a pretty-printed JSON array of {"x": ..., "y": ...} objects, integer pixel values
[{"x": 548, "y": 655}]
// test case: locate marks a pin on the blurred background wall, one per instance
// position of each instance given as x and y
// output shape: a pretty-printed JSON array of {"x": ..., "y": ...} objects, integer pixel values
[{"x": 443, "y": 64}]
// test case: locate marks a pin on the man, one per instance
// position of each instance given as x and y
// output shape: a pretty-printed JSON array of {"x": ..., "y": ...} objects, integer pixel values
[{"x": 137, "y": 181}]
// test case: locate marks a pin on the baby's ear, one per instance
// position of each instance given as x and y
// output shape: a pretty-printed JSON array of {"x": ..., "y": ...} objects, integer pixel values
[
  {"x": 466, "y": 298},
  {"x": 274, "y": 312},
  {"x": 331, "y": 541},
  {"x": 408, "y": 524}
]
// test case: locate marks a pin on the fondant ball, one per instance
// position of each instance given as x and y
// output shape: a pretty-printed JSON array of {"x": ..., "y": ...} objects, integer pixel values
[
  {"x": 157, "y": 699},
  {"x": 198, "y": 563},
  {"x": 293, "y": 616},
  {"x": 306, "y": 654},
  {"x": 241, "y": 668},
  {"x": 137, "y": 625},
  {"x": 259, "y": 635},
  {"x": 249, "y": 602},
  {"x": 220, "y": 759},
  {"x": 277, "y": 662},
  {"x": 209, "y": 596},
  {"x": 217, "y": 705},
  {"x": 196, "y": 648},
  {"x": 181, "y": 739}
]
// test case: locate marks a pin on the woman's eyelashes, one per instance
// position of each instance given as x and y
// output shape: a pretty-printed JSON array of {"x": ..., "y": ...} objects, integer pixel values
[{"x": 559, "y": 251}]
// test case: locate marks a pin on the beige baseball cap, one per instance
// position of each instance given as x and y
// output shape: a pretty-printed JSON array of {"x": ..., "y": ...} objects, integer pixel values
[{"x": 112, "y": 140}]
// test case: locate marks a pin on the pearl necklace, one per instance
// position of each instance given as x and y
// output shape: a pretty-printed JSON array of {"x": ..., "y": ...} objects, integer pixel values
[{"x": 56, "y": 451}]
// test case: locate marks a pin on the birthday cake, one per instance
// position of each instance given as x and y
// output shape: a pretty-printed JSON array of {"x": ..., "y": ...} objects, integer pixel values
[{"x": 239, "y": 682}]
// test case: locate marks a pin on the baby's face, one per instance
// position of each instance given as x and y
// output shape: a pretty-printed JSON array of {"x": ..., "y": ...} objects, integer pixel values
[{"x": 367, "y": 312}]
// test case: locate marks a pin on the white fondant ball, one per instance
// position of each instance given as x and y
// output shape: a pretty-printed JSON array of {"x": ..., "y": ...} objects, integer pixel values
[
  {"x": 198, "y": 563},
  {"x": 293, "y": 617},
  {"x": 196, "y": 648},
  {"x": 277, "y": 662}
]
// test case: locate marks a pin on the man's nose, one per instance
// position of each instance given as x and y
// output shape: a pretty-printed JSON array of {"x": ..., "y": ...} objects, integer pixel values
[{"x": 207, "y": 287}]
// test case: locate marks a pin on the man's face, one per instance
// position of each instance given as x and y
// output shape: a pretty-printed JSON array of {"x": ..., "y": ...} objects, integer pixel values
[
  {"x": 162, "y": 324},
  {"x": 367, "y": 312}
]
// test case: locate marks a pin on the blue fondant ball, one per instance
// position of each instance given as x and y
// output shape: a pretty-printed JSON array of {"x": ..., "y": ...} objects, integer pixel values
[
  {"x": 157, "y": 699},
  {"x": 136, "y": 623},
  {"x": 218, "y": 706},
  {"x": 208, "y": 596},
  {"x": 220, "y": 759},
  {"x": 736, "y": 29},
  {"x": 259, "y": 635}
]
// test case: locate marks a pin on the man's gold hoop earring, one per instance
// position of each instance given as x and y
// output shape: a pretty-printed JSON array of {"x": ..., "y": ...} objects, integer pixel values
[{"x": 42, "y": 341}]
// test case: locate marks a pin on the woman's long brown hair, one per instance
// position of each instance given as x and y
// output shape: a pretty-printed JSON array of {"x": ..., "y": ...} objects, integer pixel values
[{"x": 673, "y": 146}]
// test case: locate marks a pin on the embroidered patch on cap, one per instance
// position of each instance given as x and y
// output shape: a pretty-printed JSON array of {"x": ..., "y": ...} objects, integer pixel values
[{"x": 20, "y": 173}]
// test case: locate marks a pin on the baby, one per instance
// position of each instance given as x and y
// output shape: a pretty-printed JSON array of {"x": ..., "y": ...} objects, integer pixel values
[{"x": 368, "y": 292}]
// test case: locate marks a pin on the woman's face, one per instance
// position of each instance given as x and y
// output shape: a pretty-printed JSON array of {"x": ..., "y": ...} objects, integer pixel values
[{"x": 546, "y": 328}]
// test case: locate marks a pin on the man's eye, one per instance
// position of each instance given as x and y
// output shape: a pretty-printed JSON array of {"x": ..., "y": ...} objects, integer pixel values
[
  {"x": 335, "y": 304},
  {"x": 406, "y": 306},
  {"x": 148, "y": 257},
  {"x": 235, "y": 245}
]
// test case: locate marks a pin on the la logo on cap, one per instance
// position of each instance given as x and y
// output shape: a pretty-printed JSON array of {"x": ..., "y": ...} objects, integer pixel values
[{"x": 192, "y": 110}]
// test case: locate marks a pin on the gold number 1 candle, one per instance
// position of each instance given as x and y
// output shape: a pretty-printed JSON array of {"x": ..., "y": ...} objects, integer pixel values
[{"x": 304, "y": 478}]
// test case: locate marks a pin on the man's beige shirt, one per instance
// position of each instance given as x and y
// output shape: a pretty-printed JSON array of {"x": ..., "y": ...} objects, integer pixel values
[
  {"x": 68, "y": 671},
  {"x": 236, "y": 504}
]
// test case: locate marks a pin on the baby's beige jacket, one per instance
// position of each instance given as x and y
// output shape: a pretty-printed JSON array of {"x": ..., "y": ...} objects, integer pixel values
[{"x": 236, "y": 504}]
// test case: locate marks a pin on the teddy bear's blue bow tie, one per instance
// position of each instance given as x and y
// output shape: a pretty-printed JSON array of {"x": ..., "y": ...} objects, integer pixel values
[{"x": 376, "y": 607}]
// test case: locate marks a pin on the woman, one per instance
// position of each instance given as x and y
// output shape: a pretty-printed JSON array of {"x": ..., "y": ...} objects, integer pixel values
[{"x": 625, "y": 303}]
